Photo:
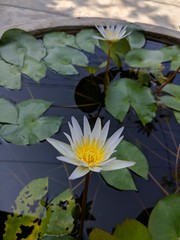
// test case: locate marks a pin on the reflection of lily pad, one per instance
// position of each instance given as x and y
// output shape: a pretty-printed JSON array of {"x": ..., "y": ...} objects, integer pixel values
[
  {"x": 30, "y": 127},
  {"x": 62, "y": 59},
  {"x": 140, "y": 58}
]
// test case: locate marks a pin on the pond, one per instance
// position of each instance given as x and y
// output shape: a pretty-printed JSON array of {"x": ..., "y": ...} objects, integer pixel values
[{"x": 79, "y": 95}]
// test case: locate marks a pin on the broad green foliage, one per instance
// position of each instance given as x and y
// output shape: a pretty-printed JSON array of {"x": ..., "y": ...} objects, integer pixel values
[
  {"x": 131, "y": 230},
  {"x": 62, "y": 59},
  {"x": 165, "y": 218},
  {"x": 31, "y": 217},
  {"x": 98, "y": 234},
  {"x": 85, "y": 40},
  {"x": 140, "y": 58},
  {"x": 136, "y": 39},
  {"x": 29, "y": 127},
  {"x": 171, "y": 53},
  {"x": 10, "y": 76},
  {"x": 126, "y": 93},
  {"x": 122, "y": 179}
]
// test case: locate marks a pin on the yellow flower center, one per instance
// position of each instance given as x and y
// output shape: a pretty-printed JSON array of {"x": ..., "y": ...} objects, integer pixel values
[{"x": 90, "y": 152}]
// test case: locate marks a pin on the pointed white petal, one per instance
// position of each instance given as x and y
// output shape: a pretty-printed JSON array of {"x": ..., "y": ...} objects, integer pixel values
[
  {"x": 69, "y": 138},
  {"x": 79, "y": 172},
  {"x": 104, "y": 133},
  {"x": 68, "y": 160},
  {"x": 107, "y": 161},
  {"x": 63, "y": 148},
  {"x": 77, "y": 132},
  {"x": 87, "y": 128},
  {"x": 114, "y": 139},
  {"x": 96, "y": 130},
  {"x": 95, "y": 169},
  {"x": 117, "y": 164}
]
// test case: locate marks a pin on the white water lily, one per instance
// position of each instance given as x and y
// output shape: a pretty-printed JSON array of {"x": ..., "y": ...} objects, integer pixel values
[
  {"x": 90, "y": 150},
  {"x": 112, "y": 33}
]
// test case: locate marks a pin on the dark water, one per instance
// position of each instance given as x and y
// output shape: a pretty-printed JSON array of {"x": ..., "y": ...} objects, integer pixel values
[{"x": 21, "y": 164}]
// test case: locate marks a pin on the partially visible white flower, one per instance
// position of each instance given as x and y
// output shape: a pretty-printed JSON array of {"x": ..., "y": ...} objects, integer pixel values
[
  {"x": 90, "y": 150},
  {"x": 112, "y": 33}
]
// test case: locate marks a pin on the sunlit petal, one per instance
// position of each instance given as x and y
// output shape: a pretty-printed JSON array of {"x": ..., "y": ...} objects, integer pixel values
[
  {"x": 68, "y": 160},
  {"x": 87, "y": 128},
  {"x": 96, "y": 130},
  {"x": 117, "y": 164},
  {"x": 78, "y": 172}
]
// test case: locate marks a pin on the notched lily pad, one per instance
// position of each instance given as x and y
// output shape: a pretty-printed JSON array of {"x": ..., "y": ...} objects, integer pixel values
[{"x": 31, "y": 128}]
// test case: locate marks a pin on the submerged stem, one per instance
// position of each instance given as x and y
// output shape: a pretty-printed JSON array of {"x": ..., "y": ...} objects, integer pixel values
[
  {"x": 84, "y": 200},
  {"x": 106, "y": 78},
  {"x": 176, "y": 169},
  {"x": 158, "y": 184}
]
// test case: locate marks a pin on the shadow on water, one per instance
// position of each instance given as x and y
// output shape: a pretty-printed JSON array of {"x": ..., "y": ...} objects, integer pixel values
[{"x": 21, "y": 164}]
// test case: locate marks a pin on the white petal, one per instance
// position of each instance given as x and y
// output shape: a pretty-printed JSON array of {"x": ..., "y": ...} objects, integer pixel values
[
  {"x": 96, "y": 130},
  {"x": 104, "y": 133},
  {"x": 114, "y": 139},
  {"x": 95, "y": 169},
  {"x": 107, "y": 162},
  {"x": 76, "y": 130},
  {"x": 68, "y": 160},
  {"x": 117, "y": 164},
  {"x": 87, "y": 128},
  {"x": 63, "y": 148},
  {"x": 79, "y": 172},
  {"x": 99, "y": 38}
]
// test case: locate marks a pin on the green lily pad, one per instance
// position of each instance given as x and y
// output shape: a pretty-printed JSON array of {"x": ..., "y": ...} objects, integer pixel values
[
  {"x": 140, "y": 58},
  {"x": 10, "y": 76},
  {"x": 8, "y": 112},
  {"x": 59, "y": 39},
  {"x": 34, "y": 69},
  {"x": 61, "y": 221},
  {"x": 122, "y": 179},
  {"x": 62, "y": 59},
  {"x": 30, "y": 127},
  {"x": 15, "y": 44},
  {"x": 85, "y": 40},
  {"x": 132, "y": 230},
  {"x": 165, "y": 218},
  {"x": 66, "y": 237},
  {"x": 98, "y": 234},
  {"x": 124, "y": 93},
  {"x": 136, "y": 39}
]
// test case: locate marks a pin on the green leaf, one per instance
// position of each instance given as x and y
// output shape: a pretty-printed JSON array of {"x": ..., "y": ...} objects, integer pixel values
[
  {"x": 34, "y": 69},
  {"x": 171, "y": 53},
  {"x": 177, "y": 116},
  {"x": 15, "y": 44},
  {"x": 140, "y": 58},
  {"x": 61, "y": 221},
  {"x": 85, "y": 40},
  {"x": 59, "y": 39},
  {"x": 124, "y": 93},
  {"x": 62, "y": 59},
  {"x": 10, "y": 76},
  {"x": 174, "y": 100},
  {"x": 8, "y": 112},
  {"x": 165, "y": 218},
  {"x": 29, "y": 212},
  {"x": 136, "y": 39},
  {"x": 122, "y": 179},
  {"x": 66, "y": 237},
  {"x": 31, "y": 128},
  {"x": 132, "y": 230},
  {"x": 98, "y": 234}
]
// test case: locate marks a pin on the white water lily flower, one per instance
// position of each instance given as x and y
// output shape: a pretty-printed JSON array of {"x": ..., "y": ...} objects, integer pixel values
[
  {"x": 90, "y": 150},
  {"x": 112, "y": 33}
]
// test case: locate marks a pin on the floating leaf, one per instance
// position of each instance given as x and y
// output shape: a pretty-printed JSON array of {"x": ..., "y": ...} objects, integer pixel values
[
  {"x": 15, "y": 44},
  {"x": 61, "y": 221},
  {"x": 122, "y": 179},
  {"x": 98, "y": 234},
  {"x": 131, "y": 230},
  {"x": 136, "y": 39},
  {"x": 165, "y": 218},
  {"x": 10, "y": 76},
  {"x": 124, "y": 93},
  {"x": 8, "y": 112},
  {"x": 29, "y": 214},
  {"x": 31, "y": 128},
  {"x": 140, "y": 58},
  {"x": 62, "y": 59},
  {"x": 34, "y": 69},
  {"x": 59, "y": 39},
  {"x": 66, "y": 237},
  {"x": 177, "y": 116},
  {"x": 171, "y": 53},
  {"x": 85, "y": 40}
]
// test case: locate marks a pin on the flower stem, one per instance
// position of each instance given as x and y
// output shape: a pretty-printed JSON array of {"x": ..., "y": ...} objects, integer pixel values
[
  {"x": 84, "y": 200},
  {"x": 106, "y": 78}
]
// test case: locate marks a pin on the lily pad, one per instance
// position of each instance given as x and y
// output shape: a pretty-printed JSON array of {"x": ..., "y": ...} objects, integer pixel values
[
  {"x": 30, "y": 127},
  {"x": 136, "y": 39},
  {"x": 8, "y": 112},
  {"x": 98, "y": 234},
  {"x": 140, "y": 58},
  {"x": 10, "y": 76},
  {"x": 165, "y": 218},
  {"x": 122, "y": 179},
  {"x": 125, "y": 93},
  {"x": 62, "y": 59}
]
